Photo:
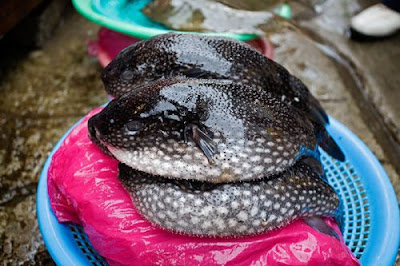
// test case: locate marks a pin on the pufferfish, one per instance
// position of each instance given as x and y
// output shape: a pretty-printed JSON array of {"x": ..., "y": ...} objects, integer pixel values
[
  {"x": 215, "y": 131},
  {"x": 215, "y": 158},
  {"x": 211, "y": 57},
  {"x": 233, "y": 209}
]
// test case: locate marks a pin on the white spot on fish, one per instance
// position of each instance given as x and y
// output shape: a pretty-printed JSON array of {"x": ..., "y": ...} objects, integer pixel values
[
  {"x": 242, "y": 216},
  {"x": 256, "y": 223},
  {"x": 246, "y": 202},
  {"x": 254, "y": 211},
  {"x": 222, "y": 210},
  {"x": 268, "y": 160},
  {"x": 232, "y": 222},
  {"x": 194, "y": 220},
  {"x": 206, "y": 225}
]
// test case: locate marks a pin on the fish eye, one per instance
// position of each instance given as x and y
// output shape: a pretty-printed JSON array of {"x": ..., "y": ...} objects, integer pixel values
[
  {"x": 127, "y": 75},
  {"x": 134, "y": 125}
]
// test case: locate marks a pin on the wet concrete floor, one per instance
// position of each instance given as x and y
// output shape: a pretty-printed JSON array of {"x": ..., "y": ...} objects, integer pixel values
[{"x": 46, "y": 91}]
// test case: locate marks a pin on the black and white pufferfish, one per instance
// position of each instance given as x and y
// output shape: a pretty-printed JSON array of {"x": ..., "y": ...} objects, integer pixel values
[
  {"x": 210, "y": 57},
  {"x": 206, "y": 130},
  {"x": 214, "y": 158},
  {"x": 234, "y": 209}
]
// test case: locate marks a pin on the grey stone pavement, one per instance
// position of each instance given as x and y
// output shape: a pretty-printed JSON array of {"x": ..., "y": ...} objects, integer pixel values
[{"x": 46, "y": 91}]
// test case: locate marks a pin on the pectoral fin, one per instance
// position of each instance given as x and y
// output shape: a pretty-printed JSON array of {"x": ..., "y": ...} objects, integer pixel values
[{"x": 204, "y": 142}]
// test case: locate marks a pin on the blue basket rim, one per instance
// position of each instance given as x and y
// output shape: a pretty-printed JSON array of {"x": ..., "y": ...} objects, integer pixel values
[
  {"x": 384, "y": 246},
  {"x": 64, "y": 250}
]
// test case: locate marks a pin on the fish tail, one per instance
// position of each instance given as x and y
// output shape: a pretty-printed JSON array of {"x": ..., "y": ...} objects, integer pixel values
[
  {"x": 319, "y": 224},
  {"x": 308, "y": 103},
  {"x": 328, "y": 144},
  {"x": 319, "y": 119},
  {"x": 317, "y": 114}
]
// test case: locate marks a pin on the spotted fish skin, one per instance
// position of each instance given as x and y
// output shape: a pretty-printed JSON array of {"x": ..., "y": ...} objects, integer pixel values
[
  {"x": 210, "y": 57},
  {"x": 231, "y": 209},
  {"x": 199, "y": 56},
  {"x": 255, "y": 134}
]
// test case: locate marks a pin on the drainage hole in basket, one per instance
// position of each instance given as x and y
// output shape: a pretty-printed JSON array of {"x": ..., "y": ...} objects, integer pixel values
[
  {"x": 360, "y": 252},
  {"x": 354, "y": 193},
  {"x": 350, "y": 183}
]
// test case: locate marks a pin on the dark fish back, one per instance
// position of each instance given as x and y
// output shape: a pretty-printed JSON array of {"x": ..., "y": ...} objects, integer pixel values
[{"x": 205, "y": 57}]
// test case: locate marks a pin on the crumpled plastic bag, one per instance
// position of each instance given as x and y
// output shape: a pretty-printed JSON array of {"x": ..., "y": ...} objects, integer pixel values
[{"x": 83, "y": 188}]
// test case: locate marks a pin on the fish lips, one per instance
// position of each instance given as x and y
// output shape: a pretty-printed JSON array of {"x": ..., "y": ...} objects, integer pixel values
[{"x": 94, "y": 135}]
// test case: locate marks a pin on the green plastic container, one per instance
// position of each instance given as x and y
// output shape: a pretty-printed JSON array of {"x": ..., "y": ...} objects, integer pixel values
[{"x": 126, "y": 17}]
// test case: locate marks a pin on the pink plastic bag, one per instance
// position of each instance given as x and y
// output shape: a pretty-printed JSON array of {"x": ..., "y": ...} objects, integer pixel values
[{"x": 83, "y": 188}]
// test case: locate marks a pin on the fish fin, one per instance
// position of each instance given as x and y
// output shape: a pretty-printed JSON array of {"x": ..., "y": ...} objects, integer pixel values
[
  {"x": 205, "y": 143},
  {"x": 320, "y": 119},
  {"x": 317, "y": 114},
  {"x": 328, "y": 144},
  {"x": 195, "y": 73},
  {"x": 318, "y": 224}
]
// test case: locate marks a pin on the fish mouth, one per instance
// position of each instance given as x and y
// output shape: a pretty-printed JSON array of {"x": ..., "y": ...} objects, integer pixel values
[
  {"x": 230, "y": 209},
  {"x": 95, "y": 136}
]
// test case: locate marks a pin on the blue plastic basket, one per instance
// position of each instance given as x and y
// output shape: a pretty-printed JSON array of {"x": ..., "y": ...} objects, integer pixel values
[{"x": 370, "y": 222}]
